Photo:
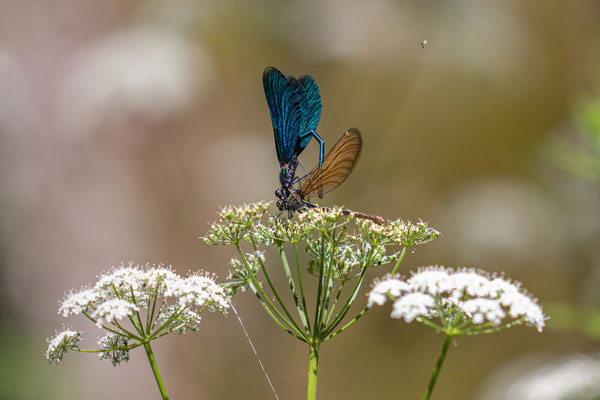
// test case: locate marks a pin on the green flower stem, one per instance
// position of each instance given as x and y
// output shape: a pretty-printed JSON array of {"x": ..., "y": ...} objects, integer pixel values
[
  {"x": 335, "y": 301},
  {"x": 281, "y": 303},
  {"x": 167, "y": 323},
  {"x": 123, "y": 332},
  {"x": 313, "y": 363},
  {"x": 346, "y": 307},
  {"x": 275, "y": 318},
  {"x": 128, "y": 347},
  {"x": 138, "y": 320},
  {"x": 430, "y": 324},
  {"x": 399, "y": 260},
  {"x": 298, "y": 269},
  {"x": 347, "y": 304},
  {"x": 160, "y": 310},
  {"x": 318, "y": 308},
  {"x": 342, "y": 329},
  {"x": 438, "y": 367},
  {"x": 495, "y": 329},
  {"x": 266, "y": 302},
  {"x": 290, "y": 279},
  {"x": 327, "y": 298},
  {"x": 159, "y": 382},
  {"x": 151, "y": 310}
]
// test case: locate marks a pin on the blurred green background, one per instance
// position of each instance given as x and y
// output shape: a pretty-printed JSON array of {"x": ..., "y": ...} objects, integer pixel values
[{"x": 126, "y": 124}]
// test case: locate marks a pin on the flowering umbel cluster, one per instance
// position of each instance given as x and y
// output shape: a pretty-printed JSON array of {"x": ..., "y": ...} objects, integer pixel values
[
  {"x": 458, "y": 302},
  {"x": 326, "y": 234},
  {"x": 135, "y": 305},
  {"x": 340, "y": 245}
]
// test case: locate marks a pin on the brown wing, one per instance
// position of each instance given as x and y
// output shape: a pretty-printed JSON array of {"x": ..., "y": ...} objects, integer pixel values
[{"x": 336, "y": 167}]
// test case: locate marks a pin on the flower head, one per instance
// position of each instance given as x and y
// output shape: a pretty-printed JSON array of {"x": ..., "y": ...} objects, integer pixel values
[
  {"x": 322, "y": 219},
  {"x": 409, "y": 234},
  {"x": 112, "y": 310},
  {"x": 466, "y": 301},
  {"x": 201, "y": 291},
  {"x": 63, "y": 341},
  {"x": 236, "y": 223},
  {"x": 138, "y": 304},
  {"x": 78, "y": 302},
  {"x": 282, "y": 230},
  {"x": 114, "y": 348}
]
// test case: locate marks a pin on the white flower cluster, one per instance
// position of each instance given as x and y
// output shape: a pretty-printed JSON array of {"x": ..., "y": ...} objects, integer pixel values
[
  {"x": 114, "y": 349},
  {"x": 121, "y": 292},
  {"x": 131, "y": 292},
  {"x": 198, "y": 290},
  {"x": 576, "y": 376},
  {"x": 63, "y": 341},
  {"x": 457, "y": 297}
]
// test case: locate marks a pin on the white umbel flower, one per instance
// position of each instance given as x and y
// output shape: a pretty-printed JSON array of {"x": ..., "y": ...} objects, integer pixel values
[
  {"x": 384, "y": 287},
  {"x": 78, "y": 302},
  {"x": 59, "y": 344},
  {"x": 138, "y": 304},
  {"x": 413, "y": 305},
  {"x": 112, "y": 310},
  {"x": 468, "y": 298}
]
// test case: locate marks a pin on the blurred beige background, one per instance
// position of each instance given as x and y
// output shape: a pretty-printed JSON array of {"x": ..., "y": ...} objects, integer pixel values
[{"x": 126, "y": 125}]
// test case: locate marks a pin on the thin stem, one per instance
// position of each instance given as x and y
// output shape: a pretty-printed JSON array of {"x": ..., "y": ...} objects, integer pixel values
[
  {"x": 318, "y": 309},
  {"x": 287, "y": 327},
  {"x": 329, "y": 289},
  {"x": 313, "y": 363},
  {"x": 342, "y": 329},
  {"x": 159, "y": 382},
  {"x": 176, "y": 313},
  {"x": 137, "y": 322},
  {"x": 354, "y": 293},
  {"x": 152, "y": 299},
  {"x": 399, "y": 260},
  {"x": 346, "y": 307},
  {"x": 302, "y": 313},
  {"x": 301, "y": 285},
  {"x": 335, "y": 301},
  {"x": 438, "y": 367},
  {"x": 128, "y": 347},
  {"x": 430, "y": 324},
  {"x": 496, "y": 329},
  {"x": 266, "y": 302},
  {"x": 123, "y": 332},
  {"x": 160, "y": 310}
]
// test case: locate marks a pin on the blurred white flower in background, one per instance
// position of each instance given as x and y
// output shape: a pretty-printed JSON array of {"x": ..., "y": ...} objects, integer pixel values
[
  {"x": 519, "y": 222},
  {"x": 498, "y": 217},
  {"x": 142, "y": 72},
  {"x": 573, "y": 378}
]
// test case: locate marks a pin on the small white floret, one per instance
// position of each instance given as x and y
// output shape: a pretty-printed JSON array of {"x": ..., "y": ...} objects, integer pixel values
[
  {"x": 413, "y": 305},
  {"x": 112, "y": 310}
]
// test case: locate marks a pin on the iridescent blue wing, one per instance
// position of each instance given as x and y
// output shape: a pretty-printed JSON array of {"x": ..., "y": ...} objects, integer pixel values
[
  {"x": 310, "y": 101},
  {"x": 289, "y": 111}
]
